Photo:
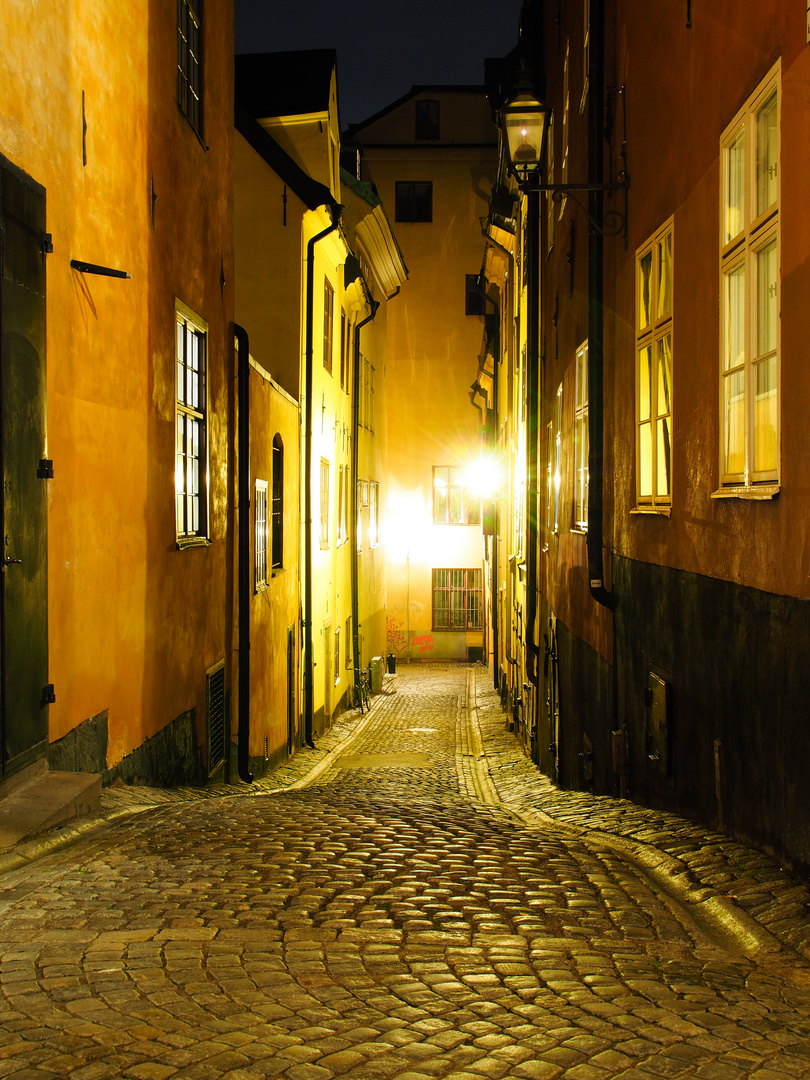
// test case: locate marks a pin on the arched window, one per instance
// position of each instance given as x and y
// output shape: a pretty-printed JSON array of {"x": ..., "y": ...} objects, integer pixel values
[{"x": 277, "y": 520}]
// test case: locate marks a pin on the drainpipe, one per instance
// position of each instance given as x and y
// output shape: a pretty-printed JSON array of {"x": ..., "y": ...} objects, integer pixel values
[
  {"x": 336, "y": 212},
  {"x": 355, "y": 469},
  {"x": 506, "y": 637},
  {"x": 533, "y": 375},
  {"x": 243, "y": 590},
  {"x": 596, "y": 244}
]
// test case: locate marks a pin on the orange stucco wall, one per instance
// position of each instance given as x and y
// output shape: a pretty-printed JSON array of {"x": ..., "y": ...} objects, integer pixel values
[{"x": 133, "y": 622}]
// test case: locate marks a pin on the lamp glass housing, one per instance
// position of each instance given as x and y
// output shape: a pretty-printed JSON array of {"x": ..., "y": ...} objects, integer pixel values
[{"x": 525, "y": 121}]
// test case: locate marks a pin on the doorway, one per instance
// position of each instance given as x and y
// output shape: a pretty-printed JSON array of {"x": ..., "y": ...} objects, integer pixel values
[{"x": 24, "y": 689}]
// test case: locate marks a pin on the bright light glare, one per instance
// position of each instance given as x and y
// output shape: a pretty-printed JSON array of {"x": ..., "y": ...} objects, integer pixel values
[{"x": 482, "y": 477}]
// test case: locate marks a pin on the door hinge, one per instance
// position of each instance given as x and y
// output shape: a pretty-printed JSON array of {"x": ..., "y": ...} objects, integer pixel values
[
  {"x": 48, "y": 694},
  {"x": 47, "y": 244},
  {"x": 45, "y": 469}
]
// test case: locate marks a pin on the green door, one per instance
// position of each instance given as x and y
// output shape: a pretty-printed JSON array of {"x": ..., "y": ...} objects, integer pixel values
[{"x": 24, "y": 692}]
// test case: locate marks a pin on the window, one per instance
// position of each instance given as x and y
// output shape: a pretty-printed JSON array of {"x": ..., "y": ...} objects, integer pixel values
[
  {"x": 347, "y": 649},
  {"x": 550, "y": 180},
  {"x": 654, "y": 370},
  {"x": 343, "y": 498},
  {"x": 324, "y": 503},
  {"x": 277, "y": 529},
  {"x": 581, "y": 440},
  {"x": 414, "y": 201},
  {"x": 457, "y": 600},
  {"x": 565, "y": 127},
  {"x": 191, "y": 430},
  {"x": 328, "y": 323},
  {"x": 260, "y": 545},
  {"x": 448, "y": 496},
  {"x": 189, "y": 62},
  {"x": 558, "y": 459},
  {"x": 475, "y": 300},
  {"x": 427, "y": 119},
  {"x": 367, "y": 394},
  {"x": 336, "y": 656},
  {"x": 586, "y": 53},
  {"x": 342, "y": 349},
  {"x": 373, "y": 512},
  {"x": 749, "y": 270}
]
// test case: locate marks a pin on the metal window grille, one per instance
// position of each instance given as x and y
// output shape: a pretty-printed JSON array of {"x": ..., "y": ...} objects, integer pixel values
[
  {"x": 260, "y": 559},
  {"x": 215, "y": 715},
  {"x": 457, "y": 599},
  {"x": 189, "y": 61}
]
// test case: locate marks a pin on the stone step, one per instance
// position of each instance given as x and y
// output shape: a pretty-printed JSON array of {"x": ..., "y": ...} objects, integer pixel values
[{"x": 44, "y": 801}]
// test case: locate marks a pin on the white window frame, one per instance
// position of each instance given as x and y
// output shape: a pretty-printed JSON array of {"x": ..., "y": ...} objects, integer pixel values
[
  {"x": 754, "y": 231},
  {"x": 261, "y": 535},
  {"x": 653, "y": 416},
  {"x": 191, "y": 429},
  {"x": 581, "y": 439}
]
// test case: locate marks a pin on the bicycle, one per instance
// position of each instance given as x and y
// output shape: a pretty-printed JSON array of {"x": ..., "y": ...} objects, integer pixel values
[{"x": 362, "y": 689}]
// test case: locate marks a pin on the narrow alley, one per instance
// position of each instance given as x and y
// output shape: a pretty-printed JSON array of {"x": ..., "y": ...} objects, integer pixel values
[{"x": 417, "y": 902}]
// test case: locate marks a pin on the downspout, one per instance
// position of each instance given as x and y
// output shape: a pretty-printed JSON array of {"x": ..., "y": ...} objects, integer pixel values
[
  {"x": 507, "y": 638},
  {"x": 243, "y": 591},
  {"x": 355, "y": 508},
  {"x": 596, "y": 244},
  {"x": 308, "y": 665},
  {"x": 533, "y": 374}
]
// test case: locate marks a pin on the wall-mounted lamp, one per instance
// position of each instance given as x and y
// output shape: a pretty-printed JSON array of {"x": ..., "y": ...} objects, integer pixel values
[{"x": 524, "y": 125}]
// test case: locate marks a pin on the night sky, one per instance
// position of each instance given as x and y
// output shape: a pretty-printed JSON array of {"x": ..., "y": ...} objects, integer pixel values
[{"x": 386, "y": 47}]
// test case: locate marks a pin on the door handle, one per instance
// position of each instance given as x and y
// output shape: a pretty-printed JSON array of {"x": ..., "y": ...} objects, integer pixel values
[{"x": 8, "y": 560}]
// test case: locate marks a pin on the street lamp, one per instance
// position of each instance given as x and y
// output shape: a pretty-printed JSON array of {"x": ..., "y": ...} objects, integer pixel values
[{"x": 525, "y": 125}]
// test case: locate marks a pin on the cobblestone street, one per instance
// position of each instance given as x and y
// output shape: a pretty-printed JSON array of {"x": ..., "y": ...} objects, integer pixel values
[{"x": 410, "y": 900}]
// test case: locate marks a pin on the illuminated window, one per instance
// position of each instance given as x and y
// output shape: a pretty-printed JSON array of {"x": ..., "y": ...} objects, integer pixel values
[
  {"x": 324, "y": 503},
  {"x": 749, "y": 292},
  {"x": 191, "y": 427},
  {"x": 189, "y": 62},
  {"x": 336, "y": 657},
  {"x": 654, "y": 263},
  {"x": 448, "y": 496},
  {"x": 367, "y": 394},
  {"x": 457, "y": 600},
  {"x": 427, "y": 119},
  {"x": 586, "y": 53},
  {"x": 373, "y": 513},
  {"x": 414, "y": 200},
  {"x": 343, "y": 498},
  {"x": 581, "y": 440},
  {"x": 261, "y": 533},
  {"x": 565, "y": 126},
  {"x": 328, "y": 323},
  {"x": 277, "y": 527},
  {"x": 550, "y": 180},
  {"x": 347, "y": 637},
  {"x": 342, "y": 349}
]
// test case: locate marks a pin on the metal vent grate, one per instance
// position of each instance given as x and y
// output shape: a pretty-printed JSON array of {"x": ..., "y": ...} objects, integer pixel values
[{"x": 215, "y": 715}]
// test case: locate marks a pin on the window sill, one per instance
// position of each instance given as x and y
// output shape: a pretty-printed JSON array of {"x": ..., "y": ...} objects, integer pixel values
[
  {"x": 652, "y": 511},
  {"x": 184, "y": 542},
  {"x": 278, "y": 570},
  {"x": 578, "y": 530},
  {"x": 758, "y": 492}
]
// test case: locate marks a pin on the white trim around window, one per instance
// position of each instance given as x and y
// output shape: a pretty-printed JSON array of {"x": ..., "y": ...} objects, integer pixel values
[{"x": 750, "y": 297}]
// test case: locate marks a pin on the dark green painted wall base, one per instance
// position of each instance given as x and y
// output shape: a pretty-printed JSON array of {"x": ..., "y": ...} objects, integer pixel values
[
  {"x": 170, "y": 758},
  {"x": 82, "y": 750},
  {"x": 738, "y": 731}
]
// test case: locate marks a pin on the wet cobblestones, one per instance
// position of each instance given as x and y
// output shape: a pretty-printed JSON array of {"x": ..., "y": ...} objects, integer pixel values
[{"x": 413, "y": 910}]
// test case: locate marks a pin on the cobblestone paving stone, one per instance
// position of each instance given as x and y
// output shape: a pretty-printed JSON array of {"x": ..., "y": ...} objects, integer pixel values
[{"x": 406, "y": 911}]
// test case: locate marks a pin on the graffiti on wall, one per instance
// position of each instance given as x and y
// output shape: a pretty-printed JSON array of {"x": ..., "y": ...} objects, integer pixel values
[{"x": 398, "y": 639}]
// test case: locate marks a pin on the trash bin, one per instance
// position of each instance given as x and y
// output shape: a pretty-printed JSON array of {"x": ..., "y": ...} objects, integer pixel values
[{"x": 392, "y": 663}]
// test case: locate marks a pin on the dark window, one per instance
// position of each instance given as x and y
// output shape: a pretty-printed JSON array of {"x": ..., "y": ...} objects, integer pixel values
[
  {"x": 427, "y": 119},
  {"x": 475, "y": 296},
  {"x": 457, "y": 600},
  {"x": 328, "y": 324},
  {"x": 277, "y": 508},
  {"x": 189, "y": 62},
  {"x": 414, "y": 200}
]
